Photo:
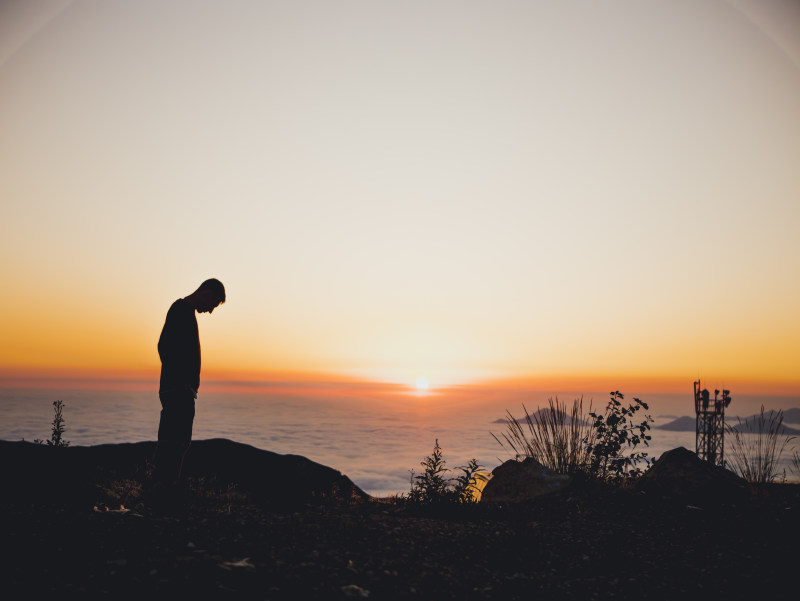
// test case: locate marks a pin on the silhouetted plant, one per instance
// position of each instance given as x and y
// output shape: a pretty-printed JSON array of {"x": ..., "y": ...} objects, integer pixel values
[
  {"x": 56, "y": 436},
  {"x": 613, "y": 454},
  {"x": 213, "y": 495},
  {"x": 756, "y": 446},
  {"x": 795, "y": 463},
  {"x": 432, "y": 487},
  {"x": 122, "y": 493},
  {"x": 468, "y": 485},
  {"x": 557, "y": 439}
]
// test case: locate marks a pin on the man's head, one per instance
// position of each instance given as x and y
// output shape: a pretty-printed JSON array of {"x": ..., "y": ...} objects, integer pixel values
[{"x": 209, "y": 296}]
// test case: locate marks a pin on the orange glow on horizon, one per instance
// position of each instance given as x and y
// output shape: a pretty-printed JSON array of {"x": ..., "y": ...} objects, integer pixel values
[{"x": 335, "y": 384}]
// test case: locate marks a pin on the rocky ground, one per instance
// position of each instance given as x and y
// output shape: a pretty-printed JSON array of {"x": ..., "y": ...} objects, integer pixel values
[{"x": 218, "y": 539}]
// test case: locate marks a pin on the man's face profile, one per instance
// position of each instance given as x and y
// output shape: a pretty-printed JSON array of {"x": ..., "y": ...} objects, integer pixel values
[{"x": 207, "y": 302}]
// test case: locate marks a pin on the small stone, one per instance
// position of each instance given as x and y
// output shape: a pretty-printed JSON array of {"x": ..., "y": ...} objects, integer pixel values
[{"x": 353, "y": 590}]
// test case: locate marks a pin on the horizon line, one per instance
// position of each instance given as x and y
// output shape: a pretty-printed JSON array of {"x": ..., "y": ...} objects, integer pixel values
[{"x": 286, "y": 382}]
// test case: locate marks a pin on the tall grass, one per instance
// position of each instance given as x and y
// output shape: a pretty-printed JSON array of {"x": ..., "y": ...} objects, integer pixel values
[
  {"x": 756, "y": 446},
  {"x": 555, "y": 437}
]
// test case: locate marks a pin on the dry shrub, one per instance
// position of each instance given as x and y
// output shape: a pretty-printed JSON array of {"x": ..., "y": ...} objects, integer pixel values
[
  {"x": 555, "y": 437},
  {"x": 756, "y": 446}
]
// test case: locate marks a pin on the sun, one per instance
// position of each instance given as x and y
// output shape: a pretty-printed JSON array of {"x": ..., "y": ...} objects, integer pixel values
[{"x": 422, "y": 384}]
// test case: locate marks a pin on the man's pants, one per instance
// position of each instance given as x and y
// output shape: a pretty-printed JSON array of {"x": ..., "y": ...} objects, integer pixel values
[{"x": 174, "y": 434}]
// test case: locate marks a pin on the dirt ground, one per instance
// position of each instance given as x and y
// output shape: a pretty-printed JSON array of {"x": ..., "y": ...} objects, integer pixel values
[{"x": 598, "y": 543}]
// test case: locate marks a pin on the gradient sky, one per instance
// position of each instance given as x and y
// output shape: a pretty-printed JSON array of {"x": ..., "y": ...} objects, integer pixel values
[{"x": 460, "y": 190}]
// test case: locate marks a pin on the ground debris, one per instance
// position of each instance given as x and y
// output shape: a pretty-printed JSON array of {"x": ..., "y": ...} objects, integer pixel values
[{"x": 242, "y": 563}]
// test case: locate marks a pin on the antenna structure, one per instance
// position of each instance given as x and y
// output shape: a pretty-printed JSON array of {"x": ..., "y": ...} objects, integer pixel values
[{"x": 710, "y": 424}]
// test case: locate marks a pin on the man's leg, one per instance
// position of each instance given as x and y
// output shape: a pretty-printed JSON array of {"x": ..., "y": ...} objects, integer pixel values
[{"x": 174, "y": 435}]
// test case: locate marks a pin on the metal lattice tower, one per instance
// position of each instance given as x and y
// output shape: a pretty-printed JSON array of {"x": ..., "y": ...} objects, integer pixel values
[{"x": 710, "y": 428}]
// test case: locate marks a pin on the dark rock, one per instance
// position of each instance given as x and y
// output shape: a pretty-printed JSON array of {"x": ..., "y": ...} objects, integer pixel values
[
  {"x": 72, "y": 473},
  {"x": 271, "y": 476},
  {"x": 682, "y": 475},
  {"x": 515, "y": 481}
]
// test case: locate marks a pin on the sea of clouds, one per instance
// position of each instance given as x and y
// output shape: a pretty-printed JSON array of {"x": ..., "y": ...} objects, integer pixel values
[{"x": 374, "y": 441}]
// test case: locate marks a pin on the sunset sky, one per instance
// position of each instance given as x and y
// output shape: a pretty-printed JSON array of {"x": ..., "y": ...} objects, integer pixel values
[{"x": 463, "y": 191}]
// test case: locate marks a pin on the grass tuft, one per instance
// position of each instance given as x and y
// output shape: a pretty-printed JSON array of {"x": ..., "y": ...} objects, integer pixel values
[
  {"x": 557, "y": 438},
  {"x": 756, "y": 446}
]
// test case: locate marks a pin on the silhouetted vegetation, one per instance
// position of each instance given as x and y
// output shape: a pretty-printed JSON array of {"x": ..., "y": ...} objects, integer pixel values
[
  {"x": 613, "y": 451},
  {"x": 601, "y": 445},
  {"x": 433, "y": 487},
  {"x": 557, "y": 439},
  {"x": 58, "y": 429},
  {"x": 121, "y": 493},
  {"x": 756, "y": 446}
]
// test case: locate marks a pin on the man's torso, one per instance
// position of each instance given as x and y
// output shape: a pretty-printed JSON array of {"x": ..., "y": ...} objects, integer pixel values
[{"x": 179, "y": 349}]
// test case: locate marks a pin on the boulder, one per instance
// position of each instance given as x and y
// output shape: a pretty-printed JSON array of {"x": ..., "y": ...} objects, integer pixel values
[
  {"x": 74, "y": 472},
  {"x": 515, "y": 481},
  {"x": 682, "y": 475}
]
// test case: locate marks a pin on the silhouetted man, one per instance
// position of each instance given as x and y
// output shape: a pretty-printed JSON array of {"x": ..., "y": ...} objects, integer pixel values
[{"x": 179, "y": 349}]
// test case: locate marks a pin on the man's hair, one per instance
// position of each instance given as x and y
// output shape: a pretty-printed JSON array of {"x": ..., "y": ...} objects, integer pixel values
[{"x": 215, "y": 286}]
